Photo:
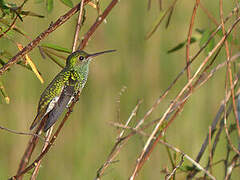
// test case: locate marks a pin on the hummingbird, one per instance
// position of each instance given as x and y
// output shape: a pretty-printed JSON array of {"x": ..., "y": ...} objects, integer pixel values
[{"x": 60, "y": 92}]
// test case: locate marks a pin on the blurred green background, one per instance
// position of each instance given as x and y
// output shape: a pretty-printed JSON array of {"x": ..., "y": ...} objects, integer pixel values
[{"x": 144, "y": 67}]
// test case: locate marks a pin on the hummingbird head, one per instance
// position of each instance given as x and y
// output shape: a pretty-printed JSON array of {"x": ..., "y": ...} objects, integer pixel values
[{"x": 79, "y": 57}]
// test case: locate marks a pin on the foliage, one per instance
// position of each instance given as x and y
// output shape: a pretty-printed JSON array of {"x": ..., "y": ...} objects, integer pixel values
[{"x": 164, "y": 96}]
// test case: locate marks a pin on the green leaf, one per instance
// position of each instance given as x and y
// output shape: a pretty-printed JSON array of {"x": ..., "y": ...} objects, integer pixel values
[
  {"x": 57, "y": 48},
  {"x": 205, "y": 36},
  {"x": 187, "y": 168},
  {"x": 2, "y": 62},
  {"x": 177, "y": 47},
  {"x": 38, "y": 1},
  {"x": 68, "y": 3},
  {"x": 229, "y": 37},
  {"x": 49, "y": 5},
  {"x": 29, "y": 13},
  {"x": 181, "y": 45},
  {"x": 54, "y": 59}
]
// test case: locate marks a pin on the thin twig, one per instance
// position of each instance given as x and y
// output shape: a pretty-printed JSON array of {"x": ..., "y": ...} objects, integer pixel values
[
  {"x": 9, "y": 28},
  {"x": 78, "y": 26},
  {"x": 22, "y": 133},
  {"x": 189, "y": 37},
  {"x": 36, "y": 170},
  {"x": 134, "y": 112},
  {"x": 118, "y": 98},
  {"x": 210, "y": 148},
  {"x": 231, "y": 166},
  {"x": 208, "y": 14},
  {"x": 169, "y": 176},
  {"x": 30, "y": 148}
]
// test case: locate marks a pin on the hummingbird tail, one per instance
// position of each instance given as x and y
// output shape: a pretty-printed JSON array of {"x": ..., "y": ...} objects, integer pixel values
[{"x": 35, "y": 121}]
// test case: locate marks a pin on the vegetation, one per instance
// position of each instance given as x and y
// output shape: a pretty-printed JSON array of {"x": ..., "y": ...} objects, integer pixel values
[{"x": 166, "y": 105}]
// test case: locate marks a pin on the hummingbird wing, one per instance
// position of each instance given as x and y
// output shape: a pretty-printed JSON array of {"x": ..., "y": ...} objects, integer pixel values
[
  {"x": 64, "y": 99},
  {"x": 50, "y": 96},
  {"x": 42, "y": 112}
]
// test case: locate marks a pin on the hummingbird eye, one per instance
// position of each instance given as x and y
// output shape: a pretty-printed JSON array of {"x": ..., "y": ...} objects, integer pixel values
[{"x": 81, "y": 58}]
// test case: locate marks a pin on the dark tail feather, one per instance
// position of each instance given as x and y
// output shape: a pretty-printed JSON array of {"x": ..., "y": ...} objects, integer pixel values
[{"x": 53, "y": 117}]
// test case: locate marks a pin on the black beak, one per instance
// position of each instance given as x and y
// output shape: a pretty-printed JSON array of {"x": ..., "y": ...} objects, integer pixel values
[{"x": 99, "y": 53}]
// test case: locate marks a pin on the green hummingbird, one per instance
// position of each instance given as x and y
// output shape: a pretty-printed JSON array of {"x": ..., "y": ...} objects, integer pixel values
[{"x": 60, "y": 92}]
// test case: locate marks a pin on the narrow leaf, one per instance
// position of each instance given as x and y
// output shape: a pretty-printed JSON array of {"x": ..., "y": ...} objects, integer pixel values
[
  {"x": 92, "y": 5},
  {"x": 181, "y": 45},
  {"x": 30, "y": 62},
  {"x": 49, "y": 5},
  {"x": 29, "y": 13},
  {"x": 229, "y": 37},
  {"x": 59, "y": 63},
  {"x": 205, "y": 36},
  {"x": 156, "y": 24},
  {"x": 160, "y": 18},
  {"x": 38, "y": 1},
  {"x": 57, "y": 48},
  {"x": 177, "y": 47},
  {"x": 169, "y": 17},
  {"x": 68, "y": 3}
]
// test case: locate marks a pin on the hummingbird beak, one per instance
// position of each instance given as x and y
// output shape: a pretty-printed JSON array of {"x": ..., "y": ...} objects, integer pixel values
[{"x": 90, "y": 56}]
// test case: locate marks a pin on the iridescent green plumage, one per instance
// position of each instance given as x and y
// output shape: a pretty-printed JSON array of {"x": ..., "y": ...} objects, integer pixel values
[{"x": 61, "y": 90}]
